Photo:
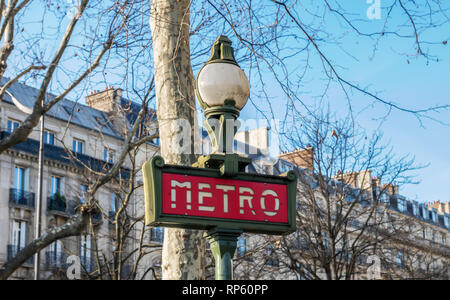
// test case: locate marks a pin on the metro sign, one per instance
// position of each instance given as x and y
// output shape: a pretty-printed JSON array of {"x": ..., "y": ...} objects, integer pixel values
[{"x": 200, "y": 198}]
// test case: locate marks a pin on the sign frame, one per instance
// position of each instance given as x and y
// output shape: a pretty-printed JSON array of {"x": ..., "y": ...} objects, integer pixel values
[{"x": 153, "y": 171}]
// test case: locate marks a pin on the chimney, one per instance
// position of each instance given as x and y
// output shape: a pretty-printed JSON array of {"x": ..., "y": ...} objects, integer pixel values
[
  {"x": 303, "y": 158},
  {"x": 441, "y": 207},
  {"x": 446, "y": 207},
  {"x": 376, "y": 182},
  {"x": 391, "y": 188},
  {"x": 360, "y": 180},
  {"x": 105, "y": 100}
]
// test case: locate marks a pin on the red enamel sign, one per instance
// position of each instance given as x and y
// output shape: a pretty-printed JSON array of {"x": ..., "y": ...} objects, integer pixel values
[{"x": 187, "y": 195}]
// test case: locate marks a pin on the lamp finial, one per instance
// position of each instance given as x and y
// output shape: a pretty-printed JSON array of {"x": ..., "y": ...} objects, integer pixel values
[{"x": 221, "y": 51}]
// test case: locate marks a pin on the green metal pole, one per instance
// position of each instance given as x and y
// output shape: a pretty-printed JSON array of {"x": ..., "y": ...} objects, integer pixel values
[{"x": 223, "y": 243}]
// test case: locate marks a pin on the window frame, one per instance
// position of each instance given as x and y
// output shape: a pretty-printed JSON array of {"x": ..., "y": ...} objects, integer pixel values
[
  {"x": 21, "y": 229},
  {"x": 47, "y": 134},
  {"x": 77, "y": 144},
  {"x": 399, "y": 258},
  {"x": 59, "y": 186},
  {"x": 86, "y": 250},
  {"x": 83, "y": 192},
  {"x": 19, "y": 173},
  {"x": 12, "y": 125},
  {"x": 241, "y": 246},
  {"x": 109, "y": 155}
]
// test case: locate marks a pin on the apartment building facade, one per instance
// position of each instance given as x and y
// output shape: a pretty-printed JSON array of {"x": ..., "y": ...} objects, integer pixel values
[
  {"x": 93, "y": 135},
  {"x": 413, "y": 237},
  {"x": 76, "y": 136}
]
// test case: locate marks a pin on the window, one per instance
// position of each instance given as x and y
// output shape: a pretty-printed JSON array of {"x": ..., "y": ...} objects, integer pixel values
[
  {"x": 399, "y": 258},
  {"x": 325, "y": 240},
  {"x": 108, "y": 155},
  {"x": 157, "y": 234},
  {"x": 424, "y": 212},
  {"x": 354, "y": 222},
  {"x": 78, "y": 146},
  {"x": 241, "y": 246},
  {"x": 21, "y": 179},
  {"x": 415, "y": 209},
  {"x": 434, "y": 216},
  {"x": 49, "y": 138},
  {"x": 83, "y": 193},
  {"x": 401, "y": 205},
  {"x": 56, "y": 247},
  {"x": 20, "y": 192},
  {"x": 385, "y": 198},
  {"x": 443, "y": 239},
  {"x": 114, "y": 203},
  {"x": 298, "y": 273},
  {"x": 85, "y": 251},
  {"x": 19, "y": 235},
  {"x": 285, "y": 167},
  {"x": 13, "y": 125},
  {"x": 55, "y": 254},
  {"x": 57, "y": 187},
  {"x": 57, "y": 201},
  {"x": 447, "y": 222},
  {"x": 272, "y": 259}
]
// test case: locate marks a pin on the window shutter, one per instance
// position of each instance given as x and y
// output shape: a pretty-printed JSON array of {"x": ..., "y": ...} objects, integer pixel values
[
  {"x": 16, "y": 233},
  {"x": 26, "y": 180},
  {"x": 62, "y": 186},
  {"x": 23, "y": 234}
]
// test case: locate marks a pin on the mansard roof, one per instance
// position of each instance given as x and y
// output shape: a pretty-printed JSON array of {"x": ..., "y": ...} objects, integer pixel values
[{"x": 74, "y": 112}]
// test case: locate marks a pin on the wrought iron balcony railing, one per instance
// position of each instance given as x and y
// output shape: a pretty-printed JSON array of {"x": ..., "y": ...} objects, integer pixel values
[
  {"x": 55, "y": 260},
  {"x": 13, "y": 250},
  {"x": 57, "y": 203},
  {"x": 21, "y": 197}
]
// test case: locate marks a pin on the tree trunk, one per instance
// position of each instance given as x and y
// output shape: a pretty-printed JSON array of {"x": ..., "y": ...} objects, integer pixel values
[{"x": 183, "y": 250}]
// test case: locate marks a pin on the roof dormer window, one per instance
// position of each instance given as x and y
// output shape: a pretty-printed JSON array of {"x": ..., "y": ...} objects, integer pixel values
[
  {"x": 434, "y": 216},
  {"x": 447, "y": 222},
  {"x": 424, "y": 212},
  {"x": 401, "y": 205},
  {"x": 415, "y": 208}
]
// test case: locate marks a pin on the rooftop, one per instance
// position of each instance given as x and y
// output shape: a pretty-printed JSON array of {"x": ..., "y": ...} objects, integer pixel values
[{"x": 74, "y": 112}]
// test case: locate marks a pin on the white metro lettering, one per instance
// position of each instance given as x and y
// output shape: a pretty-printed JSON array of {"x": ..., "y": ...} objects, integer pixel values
[{"x": 225, "y": 200}]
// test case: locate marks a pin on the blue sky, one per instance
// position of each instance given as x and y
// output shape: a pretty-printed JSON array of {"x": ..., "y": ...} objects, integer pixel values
[
  {"x": 412, "y": 82},
  {"x": 390, "y": 71}
]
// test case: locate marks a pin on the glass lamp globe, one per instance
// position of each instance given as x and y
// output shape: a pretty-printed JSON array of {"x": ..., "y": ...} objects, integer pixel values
[{"x": 222, "y": 81}]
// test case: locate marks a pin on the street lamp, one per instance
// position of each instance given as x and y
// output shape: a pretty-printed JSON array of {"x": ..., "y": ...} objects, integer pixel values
[
  {"x": 222, "y": 89},
  {"x": 236, "y": 200},
  {"x": 37, "y": 232}
]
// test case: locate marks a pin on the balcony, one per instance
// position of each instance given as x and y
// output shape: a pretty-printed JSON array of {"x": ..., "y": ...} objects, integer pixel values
[
  {"x": 21, "y": 197},
  {"x": 59, "y": 205},
  {"x": 55, "y": 260},
  {"x": 59, "y": 154},
  {"x": 97, "y": 218},
  {"x": 13, "y": 250}
]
